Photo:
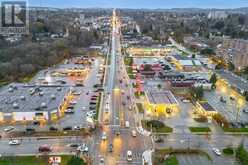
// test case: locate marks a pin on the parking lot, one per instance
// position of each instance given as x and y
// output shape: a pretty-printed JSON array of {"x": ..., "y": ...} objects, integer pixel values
[{"x": 79, "y": 107}]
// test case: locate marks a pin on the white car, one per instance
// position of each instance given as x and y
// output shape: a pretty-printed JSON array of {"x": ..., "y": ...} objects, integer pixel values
[
  {"x": 101, "y": 161},
  {"x": 14, "y": 142},
  {"x": 127, "y": 125},
  {"x": 104, "y": 136},
  {"x": 8, "y": 129},
  {"x": 216, "y": 151},
  {"x": 77, "y": 128},
  {"x": 186, "y": 101},
  {"x": 83, "y": 148},
  {"x": 134, "y": 134},
  {"x": 73, "y": 102},
  {"x": 129, "y": 156}
]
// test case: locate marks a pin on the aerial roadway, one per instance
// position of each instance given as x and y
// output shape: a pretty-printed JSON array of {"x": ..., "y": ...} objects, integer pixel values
[{"x": 119, "y": 136}]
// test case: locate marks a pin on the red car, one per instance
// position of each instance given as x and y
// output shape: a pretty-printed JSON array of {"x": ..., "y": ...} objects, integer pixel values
[{"x": 45, "y": 148}]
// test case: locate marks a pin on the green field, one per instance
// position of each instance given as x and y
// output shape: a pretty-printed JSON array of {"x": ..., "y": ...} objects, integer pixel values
[
  {"x": 199, "y": 129},
  {"x": 156, "y": 126}
]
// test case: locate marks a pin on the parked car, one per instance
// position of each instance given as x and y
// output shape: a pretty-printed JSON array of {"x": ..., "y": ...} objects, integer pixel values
[
  {"x": 67, "y": 128},
  {"x": 69, "y": 111},
  {"x": 8, "y": 129},
  {"x": 53, "y": 128},
  {"x": 36, "y": 122},
  {"x": 245, "y": 110}
]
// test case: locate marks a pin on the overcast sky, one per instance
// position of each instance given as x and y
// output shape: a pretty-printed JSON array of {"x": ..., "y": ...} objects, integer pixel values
[{"x": 141, "y": 3}]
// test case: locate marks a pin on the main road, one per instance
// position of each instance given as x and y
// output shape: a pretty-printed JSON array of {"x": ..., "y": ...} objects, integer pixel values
[{"x": 115, "y": 116}]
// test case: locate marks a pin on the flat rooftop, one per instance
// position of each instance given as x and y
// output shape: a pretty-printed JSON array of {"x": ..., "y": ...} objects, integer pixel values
[
  {"x": 161, "y": 97},
  {"x": 207, "y": 107},
  {"x": 23, "y": 98}
]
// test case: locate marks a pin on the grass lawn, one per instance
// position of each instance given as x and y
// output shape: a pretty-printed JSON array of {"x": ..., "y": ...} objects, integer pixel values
[
  {"x": 140, "y": 107},
  {"x": 128, "y": 61},
  {"x": 162, "y": 128},
  {"x": 33, "y": 160},
  {"x": 236, "y": 130},
  {"x": 199, "y": 129},
  {"x": 159, "y": 154},
  {"x": 228, "y": 151},
  {"x": 172, "y": 160}
]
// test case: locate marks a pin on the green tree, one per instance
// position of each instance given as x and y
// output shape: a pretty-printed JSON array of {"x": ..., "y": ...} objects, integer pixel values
[
  {"x": 213, "y": 80},
  {"x": 75, "y": 161},
  {"x": 231, "y": 66},
  {"x": 197, "y": 93}
]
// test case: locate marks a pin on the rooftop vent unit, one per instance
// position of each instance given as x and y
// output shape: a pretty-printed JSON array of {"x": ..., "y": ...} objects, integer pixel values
[
  {"x": 15, "y": 105},
  {"x": 22, "y": 98},
  {"x": 11, "y": 89},
  {"x": 53, "y": 97},
  {"x": 43, "y": 105},
  {"x": 41, "y": 93}
]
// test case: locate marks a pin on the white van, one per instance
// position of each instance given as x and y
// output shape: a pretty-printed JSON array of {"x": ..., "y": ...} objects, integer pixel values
[
  {"x": 129, "y": 156},
  {"x": 127, "y": 124}
]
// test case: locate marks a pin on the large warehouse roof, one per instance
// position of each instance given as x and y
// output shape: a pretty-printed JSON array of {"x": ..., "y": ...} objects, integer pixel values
[{"x": 22, "y": 98}]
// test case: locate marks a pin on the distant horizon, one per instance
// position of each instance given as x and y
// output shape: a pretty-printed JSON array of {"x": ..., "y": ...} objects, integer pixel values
[{"x": 141, "y": 4}]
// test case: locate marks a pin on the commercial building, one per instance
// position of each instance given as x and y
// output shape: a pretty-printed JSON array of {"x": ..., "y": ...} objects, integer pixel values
[
  {"x": 20, "y": 103},
  {"x": 161, "y": 103},
  {"x": 149, "y": 51},
  {"x": 186, "y": 64}
]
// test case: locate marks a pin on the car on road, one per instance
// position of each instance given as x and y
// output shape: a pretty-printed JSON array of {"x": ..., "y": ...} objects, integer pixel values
[
  {"x": 83, "y": 148},
  {"x": 158, "y": 139},
  {"x": 110, "y": 148},
  {"x": 92, "y": 103},
  {"x": 73, "y": 102},
  {"x": 222, "y": 99},
  {"x": 127, "y": 125},
  {"x": 245, "y": 110},
  {"x": 8, "y": 129},
  {"x": 130, "y": 108},
  {"x": 101, "y": 161},
  {"x": 134, "y": 133},
  {"x": 14, "y": 142},
  {"x": 128, "y": 97},
  {"x": 45, "y": 148},
  {"x": 92, "y": 107},
  {"x": 74, "y": 145},
  {"x": 69, "y": 111},
  {"x": 216, "y": 151},
  {"x": 104, "y": 136},
  {"x": 129, "y": 155}
]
